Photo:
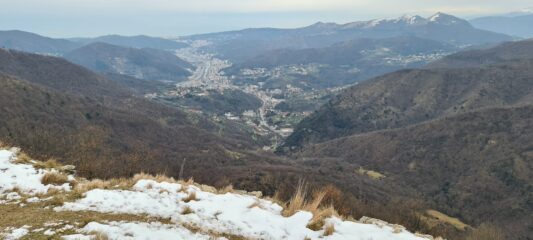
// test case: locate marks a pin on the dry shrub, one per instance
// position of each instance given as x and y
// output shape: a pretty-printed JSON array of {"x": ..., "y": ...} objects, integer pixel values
[
  {"x": 486, "y": 232},
  {"x": 329, "y": 229},
  {"x": 54, "y": 178},
  {"x": 190, "y": 197}
]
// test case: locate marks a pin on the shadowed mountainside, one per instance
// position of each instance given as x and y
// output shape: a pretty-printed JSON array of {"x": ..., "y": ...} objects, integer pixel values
[
  {"x": 149, "y": 64},
  {"x": 477, "y": 166},
  {"x": 412, "y": 96}
]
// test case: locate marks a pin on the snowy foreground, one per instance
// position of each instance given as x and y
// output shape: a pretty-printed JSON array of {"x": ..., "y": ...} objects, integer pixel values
[{"x": 185, "y": 211}]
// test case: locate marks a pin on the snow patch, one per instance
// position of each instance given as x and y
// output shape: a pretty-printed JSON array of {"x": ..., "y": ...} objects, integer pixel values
[
  {"x": 243, "y": 215},
  {"x": 16, "y": 233},
  {"x": 139, "y": 230},
  {"x": 23, "y": 177}
]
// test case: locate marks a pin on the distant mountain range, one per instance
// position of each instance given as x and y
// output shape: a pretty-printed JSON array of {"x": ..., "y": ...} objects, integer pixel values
[
  {"x": 144, "y": 63},
  {"x": 34, "y": 43},
  {"x": 515, "y": 25},
  {"x": 142, "y": 57},
  {"x": 140, "y": 41},
  {"x": 239, "y": 46},
  {"x": 346, "y": 62},
  {"x": 30, "y": 42},
  {"x": 458, "y": 133}
]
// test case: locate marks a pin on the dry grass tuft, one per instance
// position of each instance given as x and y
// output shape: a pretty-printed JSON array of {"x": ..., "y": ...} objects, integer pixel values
[
  {"x": 187, "y": 210},
  {"x": 99, "y": 235},
  {"x": 207, "y": 188},
  {"x": 158, "y": 178},
  {"x": 54, "y": 178},
  {"x": 190, "y": 197},
  {"x": 256, "y": 204},
  {"x": 319, "y": 217},
  {"x": 297, "y": 201},
  {"x": 190, "y": 181},
  {"x": 22, "y": 158},
  {"x": 300, "y": 202},
  {"x": 49, "y": 164},
  {"x": 57, "y": 200},
  {"x": 226, "y": 189},
  {"x": 114, "y": 183},
  {"x": 329, "y": 229}
]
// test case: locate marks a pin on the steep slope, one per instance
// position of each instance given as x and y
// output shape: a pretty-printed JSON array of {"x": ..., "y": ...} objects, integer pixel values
[
  {"x": 30, "y": 42},
  {"x": 511, "y": 25},
  {"x": 149, "y": 64},
  {"x": 140, "y": 41},
  {"x": 241, "y": 45},
  {"x": 59, "y": 74},
  {"x": 148, "y": 207},
  {"x": 501, "y": 53},
  {"x": 457, "y": 137},
  {"x": 412, "y": 96},
  {"x": 477, "y": 166},
  {"x": 79, "y": 116}
]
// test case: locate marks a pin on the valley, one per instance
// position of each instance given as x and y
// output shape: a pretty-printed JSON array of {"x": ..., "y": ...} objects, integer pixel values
[
  {"x": 394, "y": 128},
  {"x": 266, "y": 119}
]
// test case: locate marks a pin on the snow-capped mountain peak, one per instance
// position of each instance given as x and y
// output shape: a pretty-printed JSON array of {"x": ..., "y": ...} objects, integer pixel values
[
  {"x": 412, "y": 19},
  {"x": 445, "y": 19}
]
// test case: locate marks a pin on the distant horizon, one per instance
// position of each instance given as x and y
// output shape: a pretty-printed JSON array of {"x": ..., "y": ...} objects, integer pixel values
[{"x": 166, "y": 18}]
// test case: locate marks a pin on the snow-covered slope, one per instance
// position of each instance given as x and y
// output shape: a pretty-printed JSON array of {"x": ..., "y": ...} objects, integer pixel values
[{"x": 176, "y": 209}]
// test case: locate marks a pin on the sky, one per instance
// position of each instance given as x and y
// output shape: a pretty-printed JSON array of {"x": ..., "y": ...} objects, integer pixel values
[{"x": 89, "y": 18}]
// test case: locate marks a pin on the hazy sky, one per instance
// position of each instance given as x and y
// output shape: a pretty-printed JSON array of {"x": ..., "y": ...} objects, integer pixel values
[{"x": 71, "y": 18}]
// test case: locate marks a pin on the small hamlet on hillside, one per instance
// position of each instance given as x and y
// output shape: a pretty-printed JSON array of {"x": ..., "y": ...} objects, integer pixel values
[{"x": 44, "y": 200}]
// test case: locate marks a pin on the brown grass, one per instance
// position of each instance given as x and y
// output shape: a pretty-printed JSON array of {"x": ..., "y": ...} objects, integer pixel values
[
  {"x": 319, "y": 217},
  {"x": 486, "y": 232},
  {"x": 329, "y": 229},
  {"x": 190, "y": 197},
  {"x": 23, "y": 158},
  {"x": 447, "y": 219},
  {"x": 256, "y": 204},
  {"x": 187, "y": 210},
  {"x": 226, "y": 189},
  {"x": 36, "y": 215},
  {"x": 158, "y": 178},
  {"x": 299, "y": 202},
  {"x": 54, "y": 178},
  {"x": 99, "y": 235},
  {"x": 49, "y": 164}
]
